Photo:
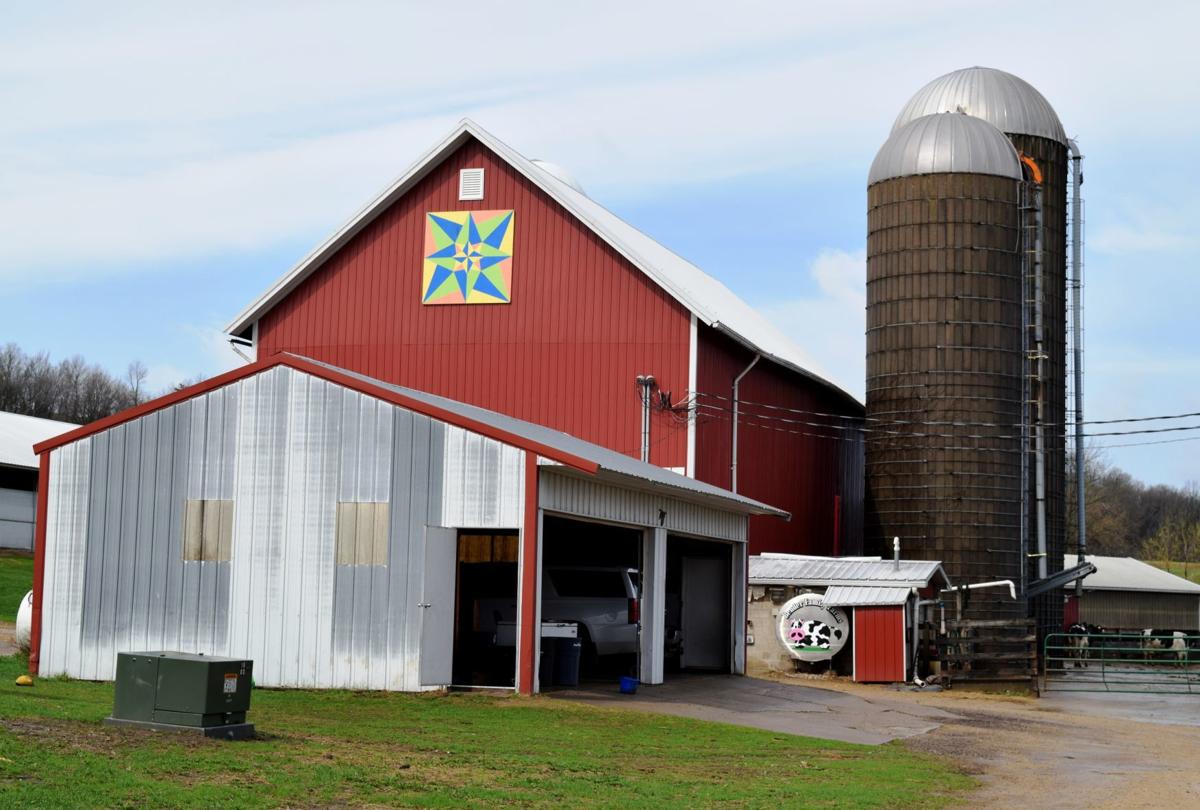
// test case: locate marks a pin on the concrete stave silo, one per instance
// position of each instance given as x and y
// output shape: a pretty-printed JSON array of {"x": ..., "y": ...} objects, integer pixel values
[
  {"x": 1016, "y": 108},
  {"x": 945, "y": 351}
]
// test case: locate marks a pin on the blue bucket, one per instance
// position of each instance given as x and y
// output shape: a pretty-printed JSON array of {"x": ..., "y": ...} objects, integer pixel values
[{"x": 628, "y": 685}]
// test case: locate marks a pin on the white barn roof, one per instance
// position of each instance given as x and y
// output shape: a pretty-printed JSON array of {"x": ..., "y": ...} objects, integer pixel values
[
  {"x": 1128, "y": 574},
  {"x": 794, "y": 569},
  {"x": 711, "y": 301},
  {"x": 864, "y": 596},
  {"x": 18, "y": 435}
]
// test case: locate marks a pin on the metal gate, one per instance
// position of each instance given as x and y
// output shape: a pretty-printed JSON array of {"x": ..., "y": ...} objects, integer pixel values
[{"x": 1122, "y": 662}]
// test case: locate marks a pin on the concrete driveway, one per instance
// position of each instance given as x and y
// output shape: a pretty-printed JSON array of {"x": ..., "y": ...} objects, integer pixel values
[{"x": 781, "y": 707}]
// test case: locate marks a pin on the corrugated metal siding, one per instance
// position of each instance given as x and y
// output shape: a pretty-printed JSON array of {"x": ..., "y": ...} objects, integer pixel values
[
  {"x": 879, "y": 644},
  {"x": 583, "y": 323},
  {"x": 801, "y": 474},
  {"x": 567, "y": 494},
  {"x": 483, "y": 482},
  {"x": 1128, "y": 610},
  {"x": 66, "y": 541},
  {"x": 285, "y": 447}
]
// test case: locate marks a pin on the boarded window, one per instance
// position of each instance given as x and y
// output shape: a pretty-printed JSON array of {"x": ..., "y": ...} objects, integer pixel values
[
  {"x": 362, "y": 533},
  {"x": 207, "y": 530},
  {"x": 487, "y": 548}
]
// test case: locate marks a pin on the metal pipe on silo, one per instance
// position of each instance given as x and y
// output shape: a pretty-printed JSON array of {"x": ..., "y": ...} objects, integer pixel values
[{"x": 1077, "y": 347}]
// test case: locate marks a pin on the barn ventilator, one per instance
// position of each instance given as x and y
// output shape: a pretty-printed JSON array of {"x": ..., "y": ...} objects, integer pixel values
[{"x": 1122, "y": 662}]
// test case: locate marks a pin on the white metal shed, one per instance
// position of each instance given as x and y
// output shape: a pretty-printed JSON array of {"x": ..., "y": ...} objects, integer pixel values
[{"x": 304, "y": 517}]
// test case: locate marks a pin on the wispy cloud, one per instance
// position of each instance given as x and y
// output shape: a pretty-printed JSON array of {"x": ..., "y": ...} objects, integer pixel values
[{"x": 829, "y": 323}]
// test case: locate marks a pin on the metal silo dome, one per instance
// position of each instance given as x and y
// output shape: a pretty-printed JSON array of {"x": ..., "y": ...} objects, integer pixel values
[
  {"x": 950, "y": 143},
  {"x": 559, "y": 173},
  {"x": 1008, "y": 102}
]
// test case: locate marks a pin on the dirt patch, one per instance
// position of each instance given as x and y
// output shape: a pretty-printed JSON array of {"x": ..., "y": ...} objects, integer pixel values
[
  {"x": 8, "y": 644},
  {"x": 1026, "y": 753},
  {"x": 78, "y": 735}
]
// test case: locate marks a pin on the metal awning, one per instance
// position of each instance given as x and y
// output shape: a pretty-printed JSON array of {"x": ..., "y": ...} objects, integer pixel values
[{"x": 864, "y": 596}]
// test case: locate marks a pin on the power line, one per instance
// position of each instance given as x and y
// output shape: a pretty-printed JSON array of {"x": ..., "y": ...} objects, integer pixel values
[
  {"x": 742, "y": 402},
  {"x": 931, "y": 435}
]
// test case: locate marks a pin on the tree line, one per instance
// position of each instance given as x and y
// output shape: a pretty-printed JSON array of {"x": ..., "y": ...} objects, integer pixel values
[
  {"x": 72, "y": 390},
  {"x": 1128, "y": 518}
]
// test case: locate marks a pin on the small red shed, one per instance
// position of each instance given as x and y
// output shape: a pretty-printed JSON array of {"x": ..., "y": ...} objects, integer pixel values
[{"x": 882, "y": 597}]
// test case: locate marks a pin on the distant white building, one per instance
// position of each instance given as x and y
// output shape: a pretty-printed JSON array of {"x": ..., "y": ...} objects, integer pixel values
[
  {"x": 1128, "y": 594},
  {"x": 19, "y": 475}
]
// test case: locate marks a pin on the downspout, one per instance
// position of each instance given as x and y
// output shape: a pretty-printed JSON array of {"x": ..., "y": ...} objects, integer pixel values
[
  {"x": 733, "y": 487},
  {"x": 1077, "y": 347}
]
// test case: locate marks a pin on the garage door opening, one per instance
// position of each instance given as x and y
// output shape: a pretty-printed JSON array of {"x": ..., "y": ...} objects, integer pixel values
[
  {"x": 486, "y": 609},
  {"x": 699, "y": 606},
  {"x": 590, "y": 578}
]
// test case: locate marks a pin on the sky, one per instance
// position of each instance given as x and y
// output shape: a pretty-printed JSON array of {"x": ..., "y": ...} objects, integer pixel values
[{"x": 164, "y": 163}]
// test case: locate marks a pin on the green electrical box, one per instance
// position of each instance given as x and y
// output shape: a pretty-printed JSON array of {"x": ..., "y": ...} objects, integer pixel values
[{"x": 177, "y": 691}]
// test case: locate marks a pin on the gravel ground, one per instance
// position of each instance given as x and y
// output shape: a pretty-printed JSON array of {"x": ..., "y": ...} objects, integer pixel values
[{"x": 1063, "y": 752}]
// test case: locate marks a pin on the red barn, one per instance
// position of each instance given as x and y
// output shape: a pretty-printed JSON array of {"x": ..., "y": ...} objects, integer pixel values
[{"x": 492, "y": 279}]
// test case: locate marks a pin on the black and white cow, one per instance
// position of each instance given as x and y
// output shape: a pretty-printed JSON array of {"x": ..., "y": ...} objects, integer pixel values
[
  {"x": 1079, "y": 641},
  {"x": 1172, "y": 642}
]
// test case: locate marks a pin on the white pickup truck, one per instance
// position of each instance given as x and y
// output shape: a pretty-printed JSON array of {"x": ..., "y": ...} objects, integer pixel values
[{"x": 603, "y": 601}]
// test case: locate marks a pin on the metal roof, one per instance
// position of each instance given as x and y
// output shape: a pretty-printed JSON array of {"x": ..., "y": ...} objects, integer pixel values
[
  {"x": 791, "y": 569},
  {"x": 864, "y": 596},
  {"x": 946, "y": 143},
  {"x": 711, "y": 301},
  {"x": 1008, "y": 102},
  {"x": 623, "y": 466},
  {"x": 19, "y": 433},
  {"x": 1128, "y": 574},
  {"x": 552, "y": 445},
  {"x": 559, "y": 173}
]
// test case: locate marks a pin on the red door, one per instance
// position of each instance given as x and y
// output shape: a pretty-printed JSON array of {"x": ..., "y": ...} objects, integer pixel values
[
  {"x": 879, "y": 644},
  {"x": 1070, "y": 612}
]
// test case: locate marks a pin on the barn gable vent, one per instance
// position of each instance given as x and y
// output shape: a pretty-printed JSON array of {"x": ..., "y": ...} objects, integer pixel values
[{"x": 470, "y": 184}]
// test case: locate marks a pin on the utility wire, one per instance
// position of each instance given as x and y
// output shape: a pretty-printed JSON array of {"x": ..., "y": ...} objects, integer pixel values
[
  {"x": 943, "y": 423},
  {"x": 924, "y": 435}
]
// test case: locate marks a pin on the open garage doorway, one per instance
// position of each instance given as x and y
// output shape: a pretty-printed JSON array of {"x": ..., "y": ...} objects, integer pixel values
[
  {"x": 591, "y": 578},
  {"x": 486, "y": 609},
  {"x": 699, "y": 606}
]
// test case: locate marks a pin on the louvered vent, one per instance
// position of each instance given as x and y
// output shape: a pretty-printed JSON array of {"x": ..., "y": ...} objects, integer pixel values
[{"x": 470, "y": 184}]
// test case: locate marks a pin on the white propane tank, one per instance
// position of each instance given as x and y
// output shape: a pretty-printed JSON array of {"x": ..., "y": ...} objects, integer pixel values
[{"x": 24, "y": 621}]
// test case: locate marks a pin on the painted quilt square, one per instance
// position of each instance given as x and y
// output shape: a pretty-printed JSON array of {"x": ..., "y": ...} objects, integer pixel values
[{"x": 468, "y": 257}]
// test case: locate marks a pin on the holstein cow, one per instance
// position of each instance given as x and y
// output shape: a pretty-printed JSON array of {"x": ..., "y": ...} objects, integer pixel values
[
  {"x": 1168, "y": 641},
  {"x": 1078, "y": 641}
]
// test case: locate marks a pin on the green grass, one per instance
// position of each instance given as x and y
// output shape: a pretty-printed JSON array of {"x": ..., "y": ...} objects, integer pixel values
[
  {"x": 338, "y": 748},
  {"x": 16, "y": 578},
  {"x": 1176, "y": 568}
]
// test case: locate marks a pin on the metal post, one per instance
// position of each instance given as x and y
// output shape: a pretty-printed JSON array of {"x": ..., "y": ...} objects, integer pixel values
[
  {"x": 646, "y": 382},
  {"x": 734, "y": 450},
  {"x": 1077, "y": 348}
]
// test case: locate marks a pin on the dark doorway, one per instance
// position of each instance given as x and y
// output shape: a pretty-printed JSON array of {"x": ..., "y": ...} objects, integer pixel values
[
  {"x": 591, "y": 577},
  {"x": 699, "y": 628},
  {"x": 486, "y": 609}
]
